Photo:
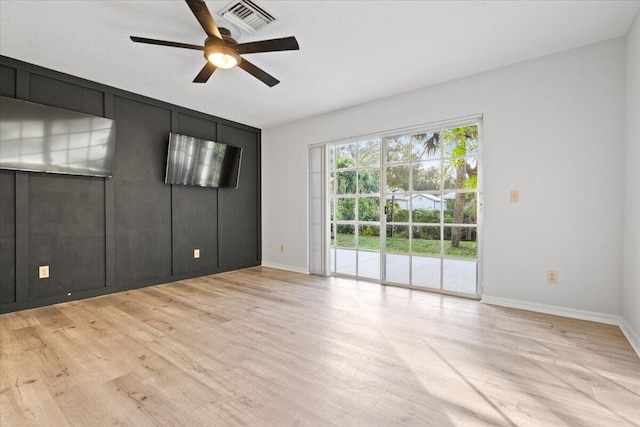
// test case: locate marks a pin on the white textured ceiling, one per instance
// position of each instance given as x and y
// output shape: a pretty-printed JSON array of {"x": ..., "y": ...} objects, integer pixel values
[{"x": 350, "y": 51}]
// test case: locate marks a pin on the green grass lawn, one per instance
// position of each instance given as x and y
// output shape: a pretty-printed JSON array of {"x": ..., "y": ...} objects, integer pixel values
[{"x": 401, "y": 245}]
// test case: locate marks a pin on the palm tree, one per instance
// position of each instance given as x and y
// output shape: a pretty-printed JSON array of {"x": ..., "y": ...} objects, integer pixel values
[{"x": 464, "y": 141}]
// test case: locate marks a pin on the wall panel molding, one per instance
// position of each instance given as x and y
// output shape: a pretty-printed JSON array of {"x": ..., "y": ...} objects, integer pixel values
[
  {"x": 109, "y": 214},
  {"x": 147, "y": 229},
  {"x": 22, "y": 236}
]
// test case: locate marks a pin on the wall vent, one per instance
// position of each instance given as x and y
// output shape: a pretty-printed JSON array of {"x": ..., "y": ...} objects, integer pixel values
[{"x": 246, "y": 15}]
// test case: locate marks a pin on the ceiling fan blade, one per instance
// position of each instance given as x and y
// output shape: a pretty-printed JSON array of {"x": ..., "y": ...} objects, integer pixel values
[
  {"x": 205, "y": 73},
  {"x": 273, "y": 45},
  {"x": 201, "y": 11},
  {"x": 258, "y": 73},
  {"x": 166, "y": 43}
]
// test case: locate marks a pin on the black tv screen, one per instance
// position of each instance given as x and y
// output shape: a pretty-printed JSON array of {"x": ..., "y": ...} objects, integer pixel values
[
  {"x": 196, "y": 161},
  {"x": 39, "y": 138}
]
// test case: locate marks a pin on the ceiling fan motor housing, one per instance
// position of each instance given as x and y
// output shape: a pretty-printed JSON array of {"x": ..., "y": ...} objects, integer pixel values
[{"x": 224, "y": 50}]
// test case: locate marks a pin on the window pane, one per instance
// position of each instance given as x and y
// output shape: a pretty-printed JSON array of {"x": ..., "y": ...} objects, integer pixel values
[
  {"x": 369, "y": 264},
  {"x": 346, "y": 209},
  {"x": 346, "y": 261},
  {"x": 427, "y": 176},
  {"x": 460, "y": 242},
  {"x": 346, "y": 182},
  {"x": 425, "y": 272},
  {"x": 346, "y": 237},
  {"x": 398, "y": 148},
  {"x": 461, "y": 173},
  {"x": 369, "y": 152},
  {"x": 461, "y": 141},
  {"x": 426, "y": 216},
  {"x": 345, "y": 156},
  {"x": 397, "y": 268},
  {"x": 425, "y": 146},
  {"x": 369, "y": 181},
  {"x": 460, "y": 275},
  {"x": 397, "y": 208},
  {"x": 398, "y": 238},
  {"x": 461, "y": 208},
  {"x": 426, "y": 241},
  {"x": 397, "y": 178},
  {"x": 369, "y": 209},
  {"x": 369, "y": 237}
]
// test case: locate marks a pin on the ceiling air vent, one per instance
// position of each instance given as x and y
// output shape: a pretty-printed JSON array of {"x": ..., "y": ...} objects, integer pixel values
[{"x": 246, "y": 15}]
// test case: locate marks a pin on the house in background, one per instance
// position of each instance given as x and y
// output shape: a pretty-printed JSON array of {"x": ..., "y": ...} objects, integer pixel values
[{"x": 419, "y": 201}]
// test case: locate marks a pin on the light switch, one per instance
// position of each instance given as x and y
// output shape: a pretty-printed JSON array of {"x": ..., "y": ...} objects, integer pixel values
[
  {"x": 514, "y": 196},
  {"x": 43, "y": 272},
  {"x": 196, "y": 253}
]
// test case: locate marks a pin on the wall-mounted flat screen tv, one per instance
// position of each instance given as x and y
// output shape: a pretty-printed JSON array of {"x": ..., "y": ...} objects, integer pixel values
[
  {"x": 39, "y": 138},
  {"x": 196, "y": 161}
]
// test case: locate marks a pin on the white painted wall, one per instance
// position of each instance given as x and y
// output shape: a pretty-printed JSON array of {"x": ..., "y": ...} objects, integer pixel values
[
  {"x": 631, "y": 292},
  {"x": 553, "y": 129}
]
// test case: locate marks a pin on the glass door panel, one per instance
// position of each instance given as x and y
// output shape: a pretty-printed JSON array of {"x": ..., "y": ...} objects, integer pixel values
[
  {"x": 356, "y": 208},
  {"x": 426, "y": 241},
  {"x": 397, "y": 148},
  {"x": 397, "y": 254},
  {"x": 369, "y": 152},
  {"x": 426, "y": 176},
  {"x": 460, "y": 275},
  {"x": 345, "y": 249},
  {"x": 397, "y": 196},
  {"x": 369, "y": 250},
  {"x": 425, "y": 271}
]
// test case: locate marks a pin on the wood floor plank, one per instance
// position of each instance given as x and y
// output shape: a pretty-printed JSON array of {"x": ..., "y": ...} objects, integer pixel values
[{"x": 265, "y": 347}]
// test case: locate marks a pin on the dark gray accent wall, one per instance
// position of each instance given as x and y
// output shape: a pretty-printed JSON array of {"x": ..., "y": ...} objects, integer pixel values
[
  {"x": 143, "y": 200},
  {"x": 66, "y": 232},
  {"x": 7, "y": 236},
  {"x": 195, "y": 210},
  {"x": 238, "y": 208},
  {"x": 101, "y": 235},
  {"x": 7, "y": 81},
  {"x": 61, "y": 94},
  {"x": 7, "y": 207}
]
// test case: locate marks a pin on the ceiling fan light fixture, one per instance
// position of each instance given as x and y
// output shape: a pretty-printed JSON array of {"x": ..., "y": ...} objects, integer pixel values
[
  {"x": 222, "y": 56},
  {"x": 221, "y": 50}
]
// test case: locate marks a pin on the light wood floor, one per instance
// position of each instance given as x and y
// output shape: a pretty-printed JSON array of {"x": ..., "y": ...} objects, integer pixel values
[{"x": 265, "y": 347}]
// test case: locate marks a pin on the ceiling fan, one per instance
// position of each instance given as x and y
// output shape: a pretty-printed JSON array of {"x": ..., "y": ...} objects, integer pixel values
[{"x": 222, "y": 51}]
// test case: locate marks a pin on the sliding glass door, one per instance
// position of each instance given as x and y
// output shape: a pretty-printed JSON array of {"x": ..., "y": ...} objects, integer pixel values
[
  {"x": 405, "y": 208},
  {"x": 431, "y": 205}
]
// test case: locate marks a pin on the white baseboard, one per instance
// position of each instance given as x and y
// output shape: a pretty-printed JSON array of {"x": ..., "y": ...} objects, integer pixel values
[
  {"x": 593, "y": 316},
  {"x": 631, "y": 335},
  {"x": 285, "y": 267}
]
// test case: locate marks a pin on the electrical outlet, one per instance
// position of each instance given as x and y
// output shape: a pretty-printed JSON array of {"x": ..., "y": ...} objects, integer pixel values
[
  {"x": 196, "y": 253},
  {"x": 552, "y": 277},
  {"x": 282, "y": 248},
  {"x": 514, "y": 196},
  {"x": 43, "y": 272}
]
